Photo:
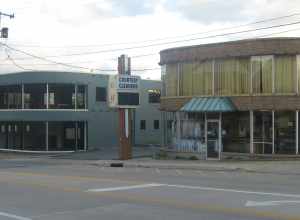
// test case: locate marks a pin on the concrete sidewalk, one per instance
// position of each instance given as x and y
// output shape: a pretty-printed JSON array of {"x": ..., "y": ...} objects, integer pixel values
[
  {"x": 101, "y": 158},
  {"x": 276, "y": 167}
]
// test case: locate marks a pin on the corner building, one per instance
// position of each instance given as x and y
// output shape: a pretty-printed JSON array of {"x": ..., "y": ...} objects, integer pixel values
[
  {"x": 68, "y": 111},
  {"x": 238, "y": 98}
]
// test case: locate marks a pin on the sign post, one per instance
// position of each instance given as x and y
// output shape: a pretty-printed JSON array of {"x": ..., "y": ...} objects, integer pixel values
[{"x": 123, "y": 94}]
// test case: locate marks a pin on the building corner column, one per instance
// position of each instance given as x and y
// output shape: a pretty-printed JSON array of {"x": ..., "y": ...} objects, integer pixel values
[
  {"x": 251, "y": 132},
  {"x": 297, "y": 132},
  {"x": 273, "y": 132}
]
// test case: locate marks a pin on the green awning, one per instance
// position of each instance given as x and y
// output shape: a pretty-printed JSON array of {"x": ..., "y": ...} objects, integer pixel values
[{"x": 209, "y": 104}]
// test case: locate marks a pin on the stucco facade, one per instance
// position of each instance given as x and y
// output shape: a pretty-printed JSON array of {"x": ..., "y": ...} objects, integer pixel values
[{"x": 84, "y": 113}]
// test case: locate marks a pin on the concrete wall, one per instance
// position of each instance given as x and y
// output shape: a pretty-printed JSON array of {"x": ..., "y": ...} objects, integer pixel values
[{"x": 149, "y": 112}]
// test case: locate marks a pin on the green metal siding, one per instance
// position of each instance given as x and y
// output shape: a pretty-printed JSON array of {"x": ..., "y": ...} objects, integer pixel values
[{"x": 214, "y": 104}]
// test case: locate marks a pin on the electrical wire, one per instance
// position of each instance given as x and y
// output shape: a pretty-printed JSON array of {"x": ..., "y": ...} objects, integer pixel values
[
  {"x": 60, "y": 63},
  {"x": 90, "y": 69},
  {"x": 173, "y": 42},
  {"x": 166, "y": 38},
  {"x": 15, "y": 64}
]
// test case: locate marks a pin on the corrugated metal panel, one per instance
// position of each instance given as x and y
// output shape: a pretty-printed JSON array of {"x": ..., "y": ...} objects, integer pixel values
[{"x": 213, "y": 104}]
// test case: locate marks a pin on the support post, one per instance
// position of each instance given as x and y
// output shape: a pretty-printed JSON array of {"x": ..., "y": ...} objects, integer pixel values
[
  {"x": 125, "y": 137},
  {"x": 125, "y": 122},
  {"x": 205, "y": 127},
  {"x": 47, "y": 136},
  {"x": 76, "y": 136},
  {"x": 75, "y": 98},
  {"x": 22, "y": 97},
  {"x": 86, "y": 97},
  {"x": 213, "y": 77},
  {"x": 297, "y": 132},
  {"x": 178, "y": 79},
  {"x": 251, "y": 132},
  {"x": 47, "y": 96},
  {"x": 220, "y": 135},
  {"x": 273, "y": 132},
  {"x": 85, "y": 135}
]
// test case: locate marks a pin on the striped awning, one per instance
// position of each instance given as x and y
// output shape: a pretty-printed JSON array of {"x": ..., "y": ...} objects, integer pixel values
[{"x": 209, "y": 104}]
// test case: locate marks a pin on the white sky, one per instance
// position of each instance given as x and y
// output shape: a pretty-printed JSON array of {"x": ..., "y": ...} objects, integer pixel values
[{"x": 58, "y": 27}]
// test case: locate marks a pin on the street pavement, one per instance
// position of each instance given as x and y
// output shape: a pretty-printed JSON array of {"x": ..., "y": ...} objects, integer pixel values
[{"x": 47, "y": 188}]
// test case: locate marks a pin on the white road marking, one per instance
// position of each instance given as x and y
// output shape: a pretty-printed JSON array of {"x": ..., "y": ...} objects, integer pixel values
[
  {"x": 269, "y": 203},
  {"x": 8, "y": 215},
  {"x": 110, "y": 189},
  {"x": 157, "y": 170},
  {"x": 201, "y": 173},
  {"x": 178, "y": 172},
  {"x": 234, "y": 191}
]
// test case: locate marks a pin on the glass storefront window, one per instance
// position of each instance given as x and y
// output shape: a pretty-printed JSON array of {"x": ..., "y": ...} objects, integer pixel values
[
  {"x": 262, "y": 71},
  {"x": 262, "y": 132},
  {"x": 202, "y": 78},
  {"x": 34, "y": 136},
  {"x": 11, "y": 97},
  {"x": 236, "y": 132},
  {"x": 285, "y": 132},
  {"x": 232, "y": 76},
  {"x": 35, "y": 96},
  {"x": 14, "y": 135},
  {"x": 61, "y": 96},
  {"x": 171, "y": 80},
  {"x": 285, "y": 74},
  {"x": 61, "y": 136},
  {"x": 81, "y": 97}
]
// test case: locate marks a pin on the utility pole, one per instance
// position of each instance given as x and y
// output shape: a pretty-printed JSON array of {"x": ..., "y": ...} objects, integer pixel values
[{"x": 4, "y": 30}]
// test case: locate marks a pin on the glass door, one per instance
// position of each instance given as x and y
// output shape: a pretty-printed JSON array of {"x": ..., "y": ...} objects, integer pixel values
[{"x": 213, "y": 139}]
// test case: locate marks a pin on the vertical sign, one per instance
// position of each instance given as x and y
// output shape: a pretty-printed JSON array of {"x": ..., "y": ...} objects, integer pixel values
[{"x": 125, "y": 150}]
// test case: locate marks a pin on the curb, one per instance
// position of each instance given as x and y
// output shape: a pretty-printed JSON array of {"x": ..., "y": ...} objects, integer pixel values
[{"x": 167, "y": 166}]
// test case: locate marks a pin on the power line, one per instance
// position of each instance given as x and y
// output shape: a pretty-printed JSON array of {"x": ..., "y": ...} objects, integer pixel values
[
  {"x": 14, "y": 63},
  {"x": 165, "y": 38},
  {"x": 281, "y": 32},
  {"x": 156, "y": 54},
  {"x": 60, "y": 63},
  {"x": 173, "y": 42},
  {"x": 86, "y": 68}
]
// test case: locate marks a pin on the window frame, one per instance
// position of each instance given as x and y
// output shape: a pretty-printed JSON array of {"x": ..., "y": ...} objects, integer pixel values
[
  {"x": 156, "y": 126},
  {"x": 143, "y": 125},
  {"x": 101, "y": 98}
]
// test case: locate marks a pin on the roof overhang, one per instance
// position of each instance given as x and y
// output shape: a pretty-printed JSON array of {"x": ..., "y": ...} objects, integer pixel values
[{"x": 209, "y": 104}]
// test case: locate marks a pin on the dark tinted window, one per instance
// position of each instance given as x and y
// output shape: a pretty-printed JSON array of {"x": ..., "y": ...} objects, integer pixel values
[
  {"x": 154, "y": 95},
  {"x": 156, "y": 124},
  {"x": 126, "y": 98},
  {"x": 100, "y": 94},
  {"x": 143, "y": 125}
]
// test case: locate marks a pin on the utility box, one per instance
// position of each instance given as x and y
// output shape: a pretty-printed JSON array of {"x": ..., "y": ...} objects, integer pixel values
[{"x": 124, "y": 91}]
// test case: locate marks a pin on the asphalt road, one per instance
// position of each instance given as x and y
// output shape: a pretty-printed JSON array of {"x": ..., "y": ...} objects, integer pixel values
[{"x": 40, "y": 189}]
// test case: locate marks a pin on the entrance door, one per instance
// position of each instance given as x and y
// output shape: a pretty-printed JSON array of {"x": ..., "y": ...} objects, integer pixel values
[{"x": 213, "y": 139}]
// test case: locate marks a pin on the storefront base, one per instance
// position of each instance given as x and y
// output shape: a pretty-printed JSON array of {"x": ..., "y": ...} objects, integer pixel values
[
  {"x": 171, "y": 154},
  {"x": 247, "y": 156}
]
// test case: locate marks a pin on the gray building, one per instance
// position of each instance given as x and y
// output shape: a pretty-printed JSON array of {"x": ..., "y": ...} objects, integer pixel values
[{"x": 65, "y": 111}]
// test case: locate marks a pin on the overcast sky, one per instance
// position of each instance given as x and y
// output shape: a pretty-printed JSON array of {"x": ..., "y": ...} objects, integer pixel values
[{"x": 53, "y": 28}]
